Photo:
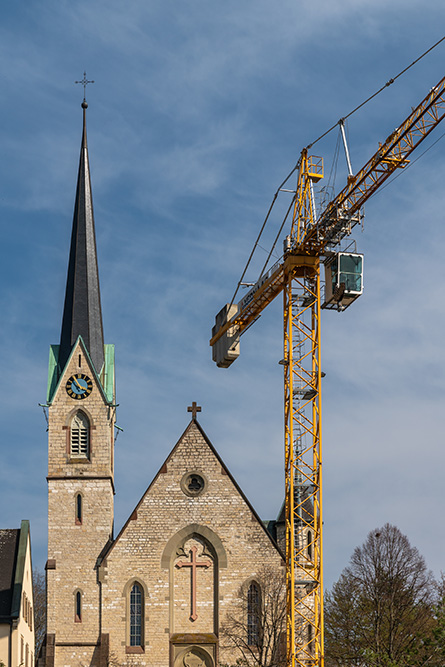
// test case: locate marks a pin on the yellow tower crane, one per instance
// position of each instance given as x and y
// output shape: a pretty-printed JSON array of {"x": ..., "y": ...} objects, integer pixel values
[{"x": 314, "y": 240}]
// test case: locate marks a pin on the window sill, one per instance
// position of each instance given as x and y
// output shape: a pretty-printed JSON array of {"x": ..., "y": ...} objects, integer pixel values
[{"x": 134, "y": 649}]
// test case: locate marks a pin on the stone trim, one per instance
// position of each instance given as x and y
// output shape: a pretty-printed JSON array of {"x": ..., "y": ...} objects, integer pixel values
[
  {"x": 129, "y": 585},
  {"x": 82, "y": 477},
  {"x": 203, "y": 645},
  {"x": 104, "y": 652},
  {"x": 134, "y": 649},
  {"x": 50, "y": 641},
  {"x": 194, "y": 638},
  {"x": 188, "y": 531},
  {"x": 72, "y": 412},
  {"x": 77, "y": 644},
  {"x": 186, "y": 478},
  {"x": 126, "y": 594}
]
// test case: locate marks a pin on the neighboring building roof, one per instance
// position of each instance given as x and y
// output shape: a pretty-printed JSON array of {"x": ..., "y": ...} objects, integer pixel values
[
  {"x": 13, "y": 545},
  {"x": 82, "y": 314},
  {"x": 9, "y": 543}
]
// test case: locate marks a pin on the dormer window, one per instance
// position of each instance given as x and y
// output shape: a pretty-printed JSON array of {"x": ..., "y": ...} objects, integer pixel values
[{"x": 80, "y": 436}]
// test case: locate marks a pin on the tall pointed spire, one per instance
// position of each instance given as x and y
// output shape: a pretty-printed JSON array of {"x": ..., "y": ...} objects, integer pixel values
[{"x": 82, "y": 314}]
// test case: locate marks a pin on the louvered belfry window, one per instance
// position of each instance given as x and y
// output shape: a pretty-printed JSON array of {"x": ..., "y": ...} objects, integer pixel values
[{"x": 80, "y": 436}]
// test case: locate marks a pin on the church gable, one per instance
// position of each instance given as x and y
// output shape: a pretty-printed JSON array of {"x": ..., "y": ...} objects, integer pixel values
[
  {"x": 191, "y": 543},
  {"x": 192, "y": 487}
]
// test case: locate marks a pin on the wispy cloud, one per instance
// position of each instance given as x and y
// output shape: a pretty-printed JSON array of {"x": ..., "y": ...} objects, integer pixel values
[{"x": 196, "y": 115}]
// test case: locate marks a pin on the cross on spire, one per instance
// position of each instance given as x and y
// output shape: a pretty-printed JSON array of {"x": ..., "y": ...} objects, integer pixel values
[
  {"x": 84, "y": 83},
  {"x": 193, "y": 408}
]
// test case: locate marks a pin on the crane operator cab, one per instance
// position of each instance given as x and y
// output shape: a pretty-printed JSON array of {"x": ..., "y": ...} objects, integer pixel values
[{"x": 344, "y": 279}]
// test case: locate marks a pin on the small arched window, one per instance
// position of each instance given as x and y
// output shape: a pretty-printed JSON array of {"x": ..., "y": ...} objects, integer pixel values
[
  {"x": 136, "y": 616},
  {"x": 80, "y": 436},
  {"x": 253, "y": 614},
  {"x": 78, "y": 509},
  {"x": 78, "y": 607}
]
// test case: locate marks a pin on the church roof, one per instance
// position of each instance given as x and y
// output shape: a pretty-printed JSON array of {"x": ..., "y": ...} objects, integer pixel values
[{"x": 82, "y": 314}]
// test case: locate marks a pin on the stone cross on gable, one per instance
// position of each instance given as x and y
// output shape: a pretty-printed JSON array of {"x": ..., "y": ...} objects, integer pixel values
[
  {"x": 193, "y": 565},
  {"x": 193, "y": 408}
]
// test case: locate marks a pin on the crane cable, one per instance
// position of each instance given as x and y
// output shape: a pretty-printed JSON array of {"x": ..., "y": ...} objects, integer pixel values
[
  {"x": 387, "y": 84},
  {"x": 262, "y": 229}
]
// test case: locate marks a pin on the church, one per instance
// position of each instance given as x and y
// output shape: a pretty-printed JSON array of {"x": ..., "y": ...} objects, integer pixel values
[{"x": 163, "y": 589}]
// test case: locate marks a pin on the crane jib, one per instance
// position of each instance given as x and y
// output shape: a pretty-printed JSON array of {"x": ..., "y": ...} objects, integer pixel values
[{"x": 391, "y": 155}]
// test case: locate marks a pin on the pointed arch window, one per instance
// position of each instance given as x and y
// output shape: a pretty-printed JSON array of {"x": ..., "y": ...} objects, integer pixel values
[
  {"x": 253, "y": 614},
  {"x": 80, "y": 436},
  {"x": 136, "y": 616}
]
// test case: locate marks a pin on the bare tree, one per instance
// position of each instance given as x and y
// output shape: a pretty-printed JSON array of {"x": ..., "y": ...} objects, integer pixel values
[
  {"x": 255, "y": 630},
  {"x": 380, "y": 613},
  {"x": 39, "y": 594}
]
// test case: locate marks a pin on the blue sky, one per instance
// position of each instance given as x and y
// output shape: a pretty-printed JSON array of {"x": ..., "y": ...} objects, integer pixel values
[{"x": 198, "y": 111}]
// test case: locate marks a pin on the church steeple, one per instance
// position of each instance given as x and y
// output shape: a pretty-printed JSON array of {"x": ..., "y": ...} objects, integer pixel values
[{"x": 82, "y": 314}]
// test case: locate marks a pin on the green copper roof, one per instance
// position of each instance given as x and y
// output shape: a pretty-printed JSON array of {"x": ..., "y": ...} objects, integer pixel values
[{"x": 106, "y": 378}]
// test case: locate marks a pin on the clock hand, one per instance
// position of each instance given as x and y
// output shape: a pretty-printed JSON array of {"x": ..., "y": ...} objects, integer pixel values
[{"x": 79, "y": 385}]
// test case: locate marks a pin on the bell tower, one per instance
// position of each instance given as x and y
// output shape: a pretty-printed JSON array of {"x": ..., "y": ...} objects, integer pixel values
[{"x": 81, "y": 415}]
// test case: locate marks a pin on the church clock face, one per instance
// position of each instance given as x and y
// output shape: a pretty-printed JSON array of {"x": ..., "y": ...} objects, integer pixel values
[{"x": 79, "y": 386}]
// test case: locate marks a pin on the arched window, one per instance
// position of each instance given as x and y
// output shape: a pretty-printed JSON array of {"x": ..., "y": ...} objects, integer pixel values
[
  {"x": 309, "y": 544},
  {"x": 253, "y": 614},
  {"x": 80, "y": 436},
  {"x": 78, "y": 607},
  {"x": 78, "y": 509},
  {"x": 136, "y": 616}
]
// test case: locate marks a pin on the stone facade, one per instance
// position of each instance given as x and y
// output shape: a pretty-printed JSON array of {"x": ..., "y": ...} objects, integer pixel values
[
  {"x": 191, "y": 543},
  {"x": 78, "y": 530},
  {"x": 216, "y": 527}
]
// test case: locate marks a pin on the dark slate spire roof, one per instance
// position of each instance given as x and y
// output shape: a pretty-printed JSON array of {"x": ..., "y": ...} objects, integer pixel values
[{"x": 82, "y": 314}]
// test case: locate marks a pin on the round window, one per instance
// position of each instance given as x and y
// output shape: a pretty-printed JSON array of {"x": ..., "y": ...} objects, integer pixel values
[{"x": 193, "y": 484}]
